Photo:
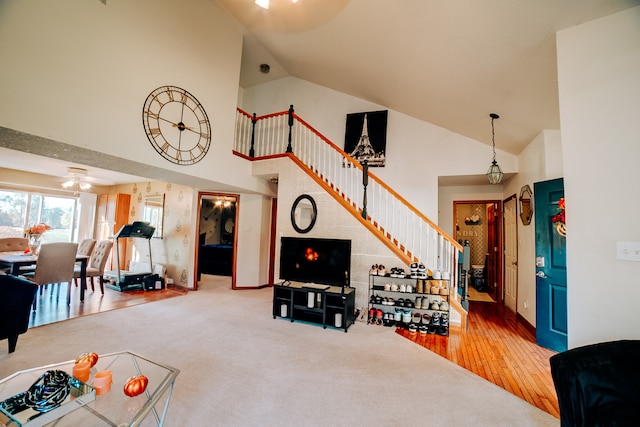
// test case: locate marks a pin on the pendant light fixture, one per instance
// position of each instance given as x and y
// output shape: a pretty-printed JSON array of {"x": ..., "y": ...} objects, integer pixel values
[
  {"x": 77, "y": 180},
  {"x": 494, "y": 173},
  {"x": 265, "y": 3}
]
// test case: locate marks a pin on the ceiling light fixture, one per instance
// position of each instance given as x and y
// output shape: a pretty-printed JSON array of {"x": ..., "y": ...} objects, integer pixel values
[
  {"x": 494, "y": 173},
  {"x": 77, "y": 180},
  {"x": 265, "y": 3}
]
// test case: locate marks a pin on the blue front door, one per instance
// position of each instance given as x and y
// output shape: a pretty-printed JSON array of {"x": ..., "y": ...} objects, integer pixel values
[{"x": 551, "y": 268}]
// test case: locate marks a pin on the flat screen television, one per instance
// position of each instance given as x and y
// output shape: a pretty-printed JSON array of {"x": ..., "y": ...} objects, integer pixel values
[{"x": 309, "y": 260}]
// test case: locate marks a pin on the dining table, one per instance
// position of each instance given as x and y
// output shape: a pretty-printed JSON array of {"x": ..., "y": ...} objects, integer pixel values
[{"x": 16, "y": 260}]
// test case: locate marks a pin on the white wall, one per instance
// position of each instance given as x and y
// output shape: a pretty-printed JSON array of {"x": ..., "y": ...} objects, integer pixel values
[
  {"x": 333, "y": 221},
  {"x": 417, "y": 152},
  {"x": 599, "y": 88},
  {"x": 541, "y": 160},
  {"x": 79, "y": 72}
]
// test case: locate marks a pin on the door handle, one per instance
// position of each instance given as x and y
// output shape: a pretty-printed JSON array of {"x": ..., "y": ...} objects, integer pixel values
[{"x": 541, "y": 274}]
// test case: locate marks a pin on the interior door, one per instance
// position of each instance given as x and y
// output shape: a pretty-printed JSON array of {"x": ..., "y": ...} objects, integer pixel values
[
  {"x": 510, "y": 255},
  {"x": 491, "y": 265},
  {"x": 551, "y": 268}
]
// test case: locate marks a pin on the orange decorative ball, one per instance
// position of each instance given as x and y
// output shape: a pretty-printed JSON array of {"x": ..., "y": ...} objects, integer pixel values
[
  {"x": 135, "y": 385},
  {"x": 92, "y": 358}
]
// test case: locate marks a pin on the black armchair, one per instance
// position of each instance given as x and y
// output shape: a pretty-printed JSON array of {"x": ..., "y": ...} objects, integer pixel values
[
  {"x": 599, "y": 384},
  {"x": 16, "y": 297}
]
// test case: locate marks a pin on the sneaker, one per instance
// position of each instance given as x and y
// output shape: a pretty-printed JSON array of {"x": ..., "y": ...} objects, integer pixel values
[
  {"x": 426, "y": 318},
  {"x": 435, "y": 319},
  {"x": 423, "y": 329},
  {"x": 418, "y": 303},
  {"x": 413, "y": 328},
  {"x": 442, "y": 330},
  {"x": 414, "y": 270},
  {"x": 416, "y": 317},
  {"x": 381, "y": 270},
  {"x": 444, "y": 306},
  {"x": 444, "y": 319},
  {"x": 432, "y": 329}
]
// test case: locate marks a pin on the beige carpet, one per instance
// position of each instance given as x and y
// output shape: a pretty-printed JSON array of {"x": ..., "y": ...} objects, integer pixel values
[{"x": 240, "y": 367}]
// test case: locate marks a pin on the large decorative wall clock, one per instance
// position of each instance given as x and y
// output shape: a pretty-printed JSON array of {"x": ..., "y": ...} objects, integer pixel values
[{"x": 177, "y": 125}]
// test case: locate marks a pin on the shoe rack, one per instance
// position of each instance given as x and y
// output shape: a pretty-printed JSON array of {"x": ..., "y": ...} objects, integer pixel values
[{"x": 420, "y": 305}]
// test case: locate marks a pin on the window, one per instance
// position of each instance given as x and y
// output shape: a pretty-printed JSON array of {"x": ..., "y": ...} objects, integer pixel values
[{"x": 21, "y": 209}]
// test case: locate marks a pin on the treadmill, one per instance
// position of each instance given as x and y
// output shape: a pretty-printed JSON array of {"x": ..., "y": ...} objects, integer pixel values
[{"x": 123, "y": 280}]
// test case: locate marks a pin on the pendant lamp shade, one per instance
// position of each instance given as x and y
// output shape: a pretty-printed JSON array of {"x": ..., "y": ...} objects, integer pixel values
[{"x": 494, "y": 174}]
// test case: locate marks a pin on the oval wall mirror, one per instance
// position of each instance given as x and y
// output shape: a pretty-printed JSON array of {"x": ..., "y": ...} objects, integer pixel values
[
  {"x": 526, "y": 205},
  {"x": 303, "y": 213}
]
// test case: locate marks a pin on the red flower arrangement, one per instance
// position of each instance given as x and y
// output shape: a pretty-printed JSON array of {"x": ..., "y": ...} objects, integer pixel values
[
  {"x": 37, "y": 230},
  {"x": 559, "y": 217}
]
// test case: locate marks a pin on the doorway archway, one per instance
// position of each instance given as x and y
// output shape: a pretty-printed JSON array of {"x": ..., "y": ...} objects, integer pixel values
[
  {"x": 479, "y": 223},
  {"x": 217, "y": 237}
]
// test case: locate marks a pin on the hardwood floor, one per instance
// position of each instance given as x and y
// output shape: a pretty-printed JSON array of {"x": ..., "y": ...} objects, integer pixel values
[
  {"x": 498, "y": 348},
  {"x": 52, "y": 302}
]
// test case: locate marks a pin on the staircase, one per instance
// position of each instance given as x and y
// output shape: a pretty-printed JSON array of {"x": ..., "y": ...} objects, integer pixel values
[{"x": 407, "y": 232}]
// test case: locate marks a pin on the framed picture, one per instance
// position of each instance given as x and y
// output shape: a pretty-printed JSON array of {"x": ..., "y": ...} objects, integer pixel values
[{"x": 366, "y": 137}]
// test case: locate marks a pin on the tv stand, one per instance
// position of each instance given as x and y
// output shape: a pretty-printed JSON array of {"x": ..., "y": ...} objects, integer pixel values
[{"x": 325, "y": 305}]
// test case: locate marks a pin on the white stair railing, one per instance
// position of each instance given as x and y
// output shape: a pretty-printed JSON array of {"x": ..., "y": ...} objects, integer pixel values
[{"x": 407, "y": 229}]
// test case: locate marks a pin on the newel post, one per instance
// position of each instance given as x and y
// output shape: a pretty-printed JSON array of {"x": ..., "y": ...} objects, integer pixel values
[
  {"x": 365, "y": 181},
  {"x": 289, "y": 148},
  {"x": 252, "y": 151}
]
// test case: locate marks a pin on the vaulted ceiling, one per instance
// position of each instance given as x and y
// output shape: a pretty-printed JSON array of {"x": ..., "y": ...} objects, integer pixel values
[
  {"x": 450, "y": 63},
  {"x": 447, "y": 62}
]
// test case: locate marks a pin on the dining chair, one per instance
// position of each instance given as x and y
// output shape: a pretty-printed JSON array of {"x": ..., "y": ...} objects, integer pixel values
[
  {"x": 97, "y": 264},
  {"x": 54, "y": 265},
  {"x": 85, "y": 248},
  {"x": 12, "y": 244}
]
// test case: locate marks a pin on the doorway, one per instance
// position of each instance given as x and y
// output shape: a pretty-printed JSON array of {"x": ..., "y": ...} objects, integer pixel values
[
  {"x": 511, "y": 254},
  {"x": 478, "y": 223},
  {"x": 551, "y": 267},
  {"x": 217, "y": 237}
]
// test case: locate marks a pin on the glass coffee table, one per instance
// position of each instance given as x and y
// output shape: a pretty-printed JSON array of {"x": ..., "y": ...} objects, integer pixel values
[{"x": 84, "y": 408}]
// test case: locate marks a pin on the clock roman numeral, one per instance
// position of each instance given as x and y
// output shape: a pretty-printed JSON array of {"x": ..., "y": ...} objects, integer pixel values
[
  {"x": 165, "y": 147},
  {"x": 179, "y": 156},
  {"x": 152, "y": 114},
  {"x": 155, "y": 131}
]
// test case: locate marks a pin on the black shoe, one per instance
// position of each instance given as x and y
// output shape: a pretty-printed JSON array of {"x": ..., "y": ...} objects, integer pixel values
[{"x": 442, "y": 330}]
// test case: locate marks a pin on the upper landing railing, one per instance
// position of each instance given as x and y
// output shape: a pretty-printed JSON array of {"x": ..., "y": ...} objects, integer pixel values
[{"x": 405, "y": 230}]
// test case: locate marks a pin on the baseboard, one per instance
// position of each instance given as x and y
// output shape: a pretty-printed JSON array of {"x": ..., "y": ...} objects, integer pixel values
[{"x": 528, "y": 326}]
